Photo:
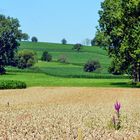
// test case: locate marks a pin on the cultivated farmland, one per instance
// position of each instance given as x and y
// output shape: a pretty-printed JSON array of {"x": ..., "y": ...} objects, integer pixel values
[{"x": 68, "y": 113}]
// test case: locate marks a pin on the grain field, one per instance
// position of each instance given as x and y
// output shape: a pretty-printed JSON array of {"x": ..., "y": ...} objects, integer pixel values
[{"x": 66, "y": 113}]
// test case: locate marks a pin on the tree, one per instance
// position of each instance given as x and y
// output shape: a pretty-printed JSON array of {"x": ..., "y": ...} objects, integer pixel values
[
  {"x": 34, "y": 39},
  {"x": 46, "y": 56},
  {"x": 10, "y": 35},
  {"x": 77, "y": 47},
  {"x": 100, "y": 39},
  {"x": 62, "y": 59},
  {"x": 64, "y": 41},
  {"x": 92, "y": 65},
  {"x": 25, "y": 36},
  {"x": 87, "y": 42},
  {"x": 93, "y": 42},
  {"x": 26, "y": 59},
  {"x": 120, "y": 22}
]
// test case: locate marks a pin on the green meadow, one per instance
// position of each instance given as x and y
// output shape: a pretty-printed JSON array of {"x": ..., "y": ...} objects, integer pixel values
[{"x": 70, "y": 73}]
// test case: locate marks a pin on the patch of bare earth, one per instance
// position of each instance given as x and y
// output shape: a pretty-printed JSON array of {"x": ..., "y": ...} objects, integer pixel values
[{"x": 63, "y": 113}]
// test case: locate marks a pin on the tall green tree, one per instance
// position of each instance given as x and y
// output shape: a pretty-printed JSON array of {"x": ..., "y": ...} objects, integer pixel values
[
  {"x": 120, "y": 21},
  {"x": 100, "y": 39},
  {"x": 9, "y": 37}
]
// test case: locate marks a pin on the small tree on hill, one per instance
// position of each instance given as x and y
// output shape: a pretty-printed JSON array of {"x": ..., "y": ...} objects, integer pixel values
[
  {"x": 77, "y": 47},
  {"x": 91, "y": 66},
  {"x": 62, "y": 59},
  {"x": 34, "y": 39},
  {"x": 25, "y": 36},
  {"x": 46, "y": 56},
  {"x": 87, "y": 42},
  {"x": 26, "y": 59},
  {"x": 64, "y": 41}
]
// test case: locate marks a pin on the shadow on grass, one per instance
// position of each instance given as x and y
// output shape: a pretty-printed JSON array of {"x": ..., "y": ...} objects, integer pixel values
[{"x": 124, "y": 84}]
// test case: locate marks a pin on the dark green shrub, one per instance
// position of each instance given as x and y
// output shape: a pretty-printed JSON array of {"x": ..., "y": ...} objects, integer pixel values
[
  {"x": 62, "y": 59},
  {"x": 64, "y": 41},
  {"x": 34, "y": 39},
  {"x": 11, "y": 84},
  {"x": 77, "y": 47},
  {"x": 46, "y": 56},
  {"x": 91, "y": 66},
  {"x": 26, "y": 59}
]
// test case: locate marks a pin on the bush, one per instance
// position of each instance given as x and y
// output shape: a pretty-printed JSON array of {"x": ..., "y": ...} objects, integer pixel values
[
  {"x": 46, "y": 56},
  {"x": 26, "y": 59},
  {"x": 138, "y": 85},
  {"x": 10, "y": 84},
  {"x": 77, "y": 47},
  {"x": 34, "y": 39},
  {"x": 62, "y": 59},
  {"x": 91, "y": 66},
  {"x": 134, "y": 84}
]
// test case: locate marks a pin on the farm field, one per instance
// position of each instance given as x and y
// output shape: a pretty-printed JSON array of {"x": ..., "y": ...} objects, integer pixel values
[{"x": 68, "y": 113}]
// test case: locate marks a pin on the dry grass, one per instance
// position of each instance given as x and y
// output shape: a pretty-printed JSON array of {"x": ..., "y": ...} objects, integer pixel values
[{"x": 68, "y": 113}]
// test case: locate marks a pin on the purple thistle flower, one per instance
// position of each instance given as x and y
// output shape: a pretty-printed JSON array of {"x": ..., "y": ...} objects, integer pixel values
[
  {"x": 117, "y": 106},
  {"x": 117, "y": 121}
]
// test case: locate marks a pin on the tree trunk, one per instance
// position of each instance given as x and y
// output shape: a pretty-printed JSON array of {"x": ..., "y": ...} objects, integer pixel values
[{"x": 136, "y": 73}]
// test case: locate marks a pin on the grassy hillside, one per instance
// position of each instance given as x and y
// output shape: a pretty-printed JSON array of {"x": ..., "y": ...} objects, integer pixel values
[
  {"x": 69, "y": 74},
  {"x": 73, "y": 57},
  {"x": 76, "y": 59}
]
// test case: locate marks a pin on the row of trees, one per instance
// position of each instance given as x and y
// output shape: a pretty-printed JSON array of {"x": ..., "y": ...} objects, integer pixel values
[{"x": 86, "y": 42}]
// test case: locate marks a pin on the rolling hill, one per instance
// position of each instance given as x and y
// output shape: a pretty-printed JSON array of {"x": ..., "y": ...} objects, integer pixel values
[{"x": 65, "y": 74}]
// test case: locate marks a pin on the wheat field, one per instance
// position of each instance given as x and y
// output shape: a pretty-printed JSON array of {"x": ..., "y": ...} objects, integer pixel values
[{"x": 68, "y": 113}]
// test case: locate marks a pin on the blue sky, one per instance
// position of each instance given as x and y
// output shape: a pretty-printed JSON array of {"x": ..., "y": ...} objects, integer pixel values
[{"x": 52, "y": 20}]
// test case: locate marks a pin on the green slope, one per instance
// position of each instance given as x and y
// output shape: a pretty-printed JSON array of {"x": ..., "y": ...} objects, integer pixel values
[
  {"x": 78, "y": 58},
  {"x": 70, "y": 74}
]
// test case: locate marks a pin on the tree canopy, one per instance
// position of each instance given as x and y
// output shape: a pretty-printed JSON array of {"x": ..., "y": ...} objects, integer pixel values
[
  {"x": 120, "y": 22},
  {"x": 64, "y": 41},
  {"x": 34, "y": 39},
  {"x": 100, "y": 39},
  {"x": 10, "y": 34}
]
